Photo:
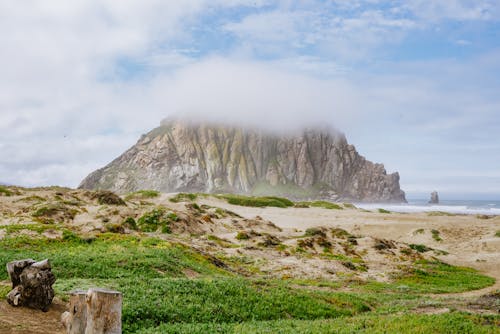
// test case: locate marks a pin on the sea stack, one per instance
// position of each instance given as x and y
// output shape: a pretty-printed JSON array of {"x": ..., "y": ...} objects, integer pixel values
[
  {"x": 434, "y": 198},
  {"x": 186, "y": 156}
]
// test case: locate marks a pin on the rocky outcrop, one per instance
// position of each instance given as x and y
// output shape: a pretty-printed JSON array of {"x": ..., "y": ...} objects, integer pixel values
[
  {"x": 434, "y": 198},
  {"x": 185, "y": 156}
]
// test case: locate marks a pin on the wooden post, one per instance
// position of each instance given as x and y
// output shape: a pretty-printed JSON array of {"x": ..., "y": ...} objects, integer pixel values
[
  {"x": 75, "y": 320},
  {"x": 104, "y": 312}
]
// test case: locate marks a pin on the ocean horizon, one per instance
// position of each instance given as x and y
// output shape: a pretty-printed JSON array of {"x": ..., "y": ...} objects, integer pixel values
[{"x": 470, "y": 207}]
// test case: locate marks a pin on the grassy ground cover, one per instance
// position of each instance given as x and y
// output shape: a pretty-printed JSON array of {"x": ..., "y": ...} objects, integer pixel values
[
  {"x": 170, "y": 288},
  {"x": 273, "y": 201}
]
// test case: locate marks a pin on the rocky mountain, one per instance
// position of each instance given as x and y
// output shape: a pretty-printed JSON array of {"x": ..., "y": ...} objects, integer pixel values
[{"x": 197, "y": 157}]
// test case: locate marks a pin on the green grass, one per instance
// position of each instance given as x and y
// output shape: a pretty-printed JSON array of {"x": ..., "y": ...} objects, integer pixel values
[
  {"x": 150, "y": 274},
  {"x": 450, "y": 323},
  {"x": 5, "y": 191},
  {"x": 39, "y": 228},
  {"x": 108, "y": 256},
  {"x": 242, "y": 236},
  {"x": 420, "y": 248},
  {"x": 260, "y": 202},
  {"x": 4, "y": 290},
  {"x": 380, "y": 210},
  {"x": 142, "y": 194},
  {"x": 183, "y": 197},
  {"x": 436, "y": 235},
  {"x": 321, "y": 204},
  {"x": 159, "y": 298},
  {"x": 438, "y": 277},
  {"x": 227, "y": 300},
  {"x": 497, "y": 234}
]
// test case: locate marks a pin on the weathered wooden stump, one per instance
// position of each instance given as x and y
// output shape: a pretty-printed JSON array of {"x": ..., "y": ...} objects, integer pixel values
[
  {"x": 75, "y": 320},
  {"x": 31, "y": 284},
  {"x": 98, "y": 311},
  {"x": 104, "y": 312}
]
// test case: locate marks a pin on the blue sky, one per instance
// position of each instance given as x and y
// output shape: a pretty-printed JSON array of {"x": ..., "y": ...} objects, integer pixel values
[{"x": 414, "y": 84}]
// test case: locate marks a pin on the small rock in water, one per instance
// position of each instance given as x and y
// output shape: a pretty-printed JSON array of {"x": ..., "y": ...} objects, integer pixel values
[{"x": 434, "y": 198}]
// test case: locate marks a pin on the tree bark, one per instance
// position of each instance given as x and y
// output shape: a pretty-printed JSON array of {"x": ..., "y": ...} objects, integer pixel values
[
  {"x": 32, "y": 284},
  {"x": 75, "y": 320},
  {"x": 104, "y": 312}
]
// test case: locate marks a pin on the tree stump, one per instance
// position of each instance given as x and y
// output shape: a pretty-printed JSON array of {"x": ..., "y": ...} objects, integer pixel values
[
  {"x": 75, "y": 320},
  {"x": 98, "y": 311},
  {"x": 32, "y": 284},
  {"x": 104, "y": 312}
]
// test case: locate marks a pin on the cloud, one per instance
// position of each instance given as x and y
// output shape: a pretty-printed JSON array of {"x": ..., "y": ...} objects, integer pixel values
[{"x": 80, "y": 82}]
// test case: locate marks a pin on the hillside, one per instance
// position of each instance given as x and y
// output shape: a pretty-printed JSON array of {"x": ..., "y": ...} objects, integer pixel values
[
  {"x": 195, "y": 263},
  {"x": 196, "y": 157}
]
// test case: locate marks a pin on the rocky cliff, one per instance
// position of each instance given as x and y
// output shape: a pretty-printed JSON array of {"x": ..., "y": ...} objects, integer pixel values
[{"x": 185, "y": 156}]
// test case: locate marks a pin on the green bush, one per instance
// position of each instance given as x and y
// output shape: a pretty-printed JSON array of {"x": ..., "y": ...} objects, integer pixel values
[
  {"x": 420, "y": 248},
  {"x": 143, "y": 194},
  {"x": 158, "y": 219},
  {"x": 105, "y": 197},
  {"x": 436, "y": 235},
  {"x": 183, "y": 197},
  {"x": 242, "y": 236},
  {"x": 315, "y": 231},
  {"x": 321, "y": 204},
  {"x": 130, "y": 223},
  {"x": 380, "y": 210},
  {"x": 265, "y": 201},
  {"x": 5, "y": 191}
]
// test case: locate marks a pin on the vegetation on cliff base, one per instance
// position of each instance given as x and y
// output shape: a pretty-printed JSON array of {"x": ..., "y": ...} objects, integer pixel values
[
  {"x": 142, "y": 194},
  {"x": 321, "y": 204},
  {"x": 265, "y": 201},
  {"x": 184, "y": 197}
]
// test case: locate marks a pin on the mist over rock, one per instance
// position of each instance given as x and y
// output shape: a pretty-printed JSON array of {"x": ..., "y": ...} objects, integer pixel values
[{"x": 183, "y": 156}]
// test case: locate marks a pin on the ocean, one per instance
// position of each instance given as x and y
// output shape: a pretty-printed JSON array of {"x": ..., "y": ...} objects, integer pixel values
[{"x": 482, "y": 207}]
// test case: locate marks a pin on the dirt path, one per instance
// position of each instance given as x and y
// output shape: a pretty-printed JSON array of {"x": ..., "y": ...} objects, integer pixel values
[{"x": 21, "y": 320}]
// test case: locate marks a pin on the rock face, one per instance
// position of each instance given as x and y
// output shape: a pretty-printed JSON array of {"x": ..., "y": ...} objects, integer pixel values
[
  {"x": 185, "y": 156},
  {"x": 434, "y": 198}
]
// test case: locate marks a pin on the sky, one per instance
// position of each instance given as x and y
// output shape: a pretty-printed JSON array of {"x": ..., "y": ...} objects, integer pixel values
[{"x": 413, "y": 84}]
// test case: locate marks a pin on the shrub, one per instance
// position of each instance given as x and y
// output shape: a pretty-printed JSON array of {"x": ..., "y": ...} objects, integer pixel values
[
  {"x": 156, "y": 219},
  {"x": 380, "y": 210},
  {"x": 56, "y": 210},
  {"x": 5, "y": 191},
  {"x": 340, "y": 233},
  {"x": 183, "y": 197},
  {"x": 315, "y": 231},
  {"x": 143, "y": 194},
  {"x": 107, "y": 197},
  {"x": 320, "y": 204},
  {"x": 130, "y": 223},
  {"x": 420, "y": 248},
  {"x": 435, "y": 235},
  {"x": 272, "y": 201},
  {"x": 242, "y": 236}
]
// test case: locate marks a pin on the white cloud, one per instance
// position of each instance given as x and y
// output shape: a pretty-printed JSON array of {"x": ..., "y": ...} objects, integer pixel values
[{"x": 65, "y": 110}]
